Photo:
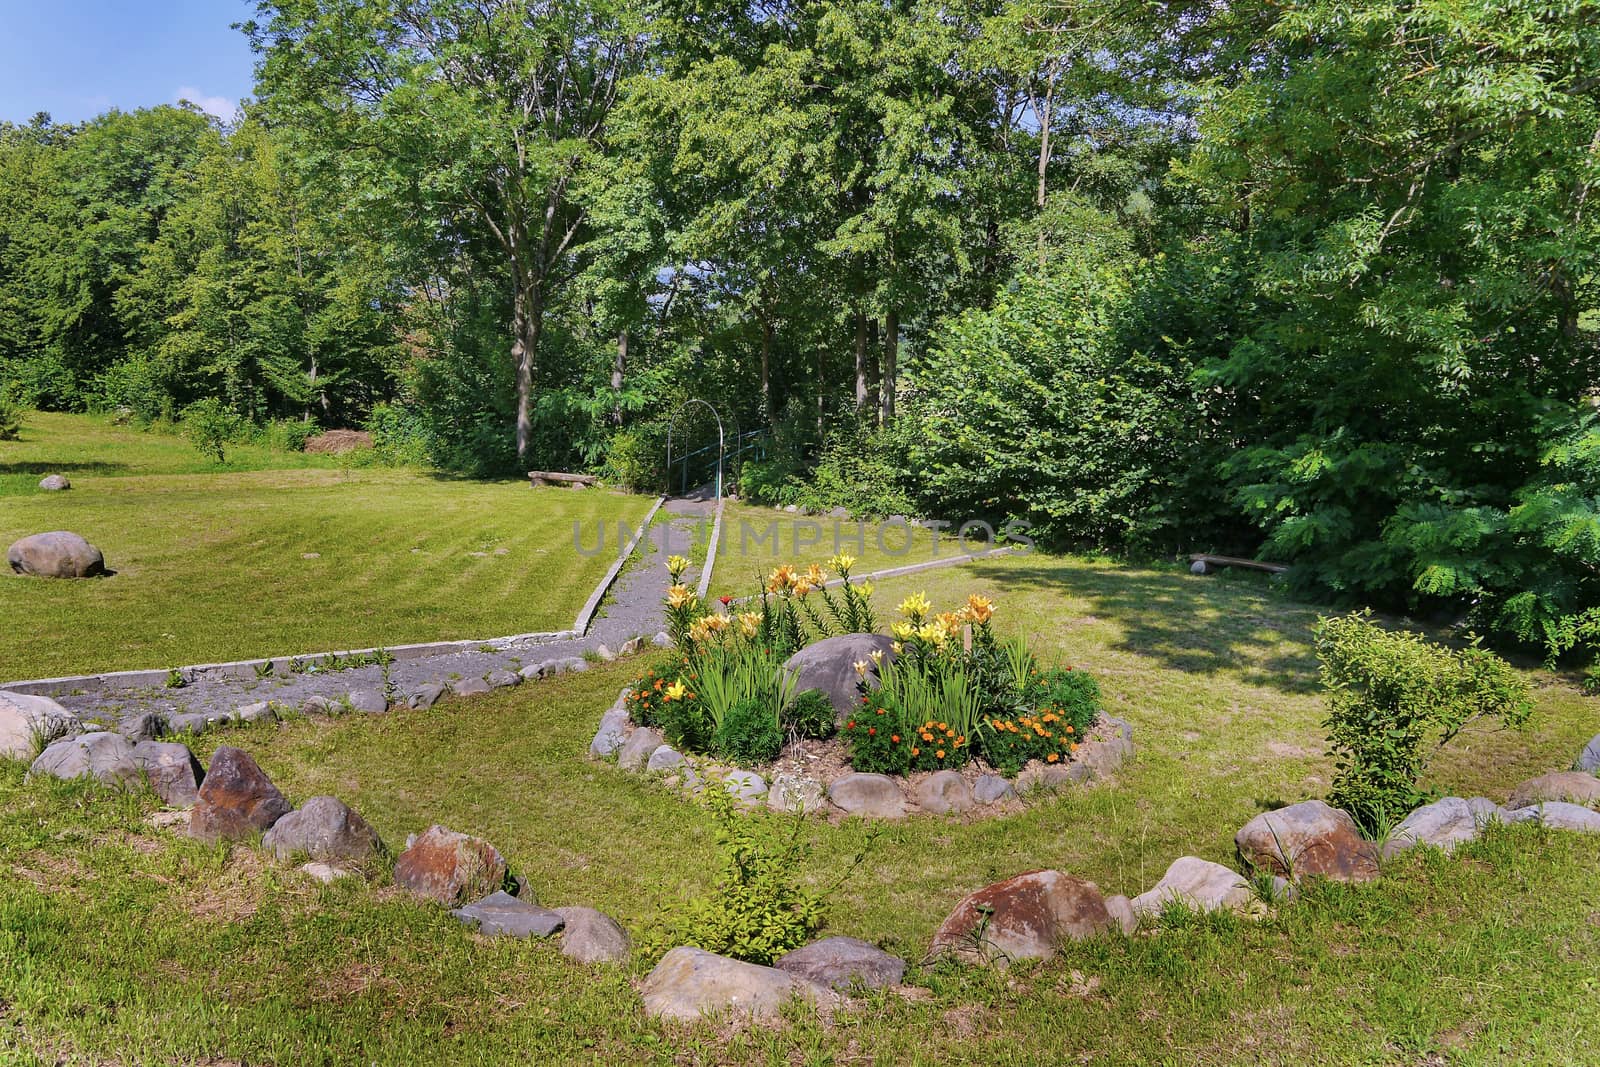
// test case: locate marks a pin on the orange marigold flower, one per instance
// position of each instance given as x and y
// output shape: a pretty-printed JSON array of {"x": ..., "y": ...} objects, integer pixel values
[
  {"x": 1052, "y": 758},
  {"x": 916, "y": 751},
  {"x": 940, "y": 753},
  {"x": 1074, "y": 746},
  {"x": 926, "y": 736},
  {"x": 895, "y": 738},
  {"x": 872, "y": 731}
]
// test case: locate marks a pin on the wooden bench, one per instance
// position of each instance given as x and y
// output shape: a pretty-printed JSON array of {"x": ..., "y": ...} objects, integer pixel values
[
  {"x": 1201, "y": 562},
  {"x": 576, "y": 481}
]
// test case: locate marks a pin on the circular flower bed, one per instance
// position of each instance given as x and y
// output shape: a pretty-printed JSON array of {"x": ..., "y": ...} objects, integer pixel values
[{"x": 800, "y": 690}]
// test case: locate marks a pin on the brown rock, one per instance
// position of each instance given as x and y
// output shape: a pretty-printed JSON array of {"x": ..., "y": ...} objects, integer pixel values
[
  {"x": 1564, "y": 787},
  {"x": 1023, "y": 918},
  {"x": 236, "y": 799},
  {"x": 450, "y": 868},
  {"x": 58, "y": 554},
  {"x": 1309, "y": 838},
  {"x": 690, "y": 982}
]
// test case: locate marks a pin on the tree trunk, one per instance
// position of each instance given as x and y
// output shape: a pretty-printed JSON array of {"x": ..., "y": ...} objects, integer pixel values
[
  {"x": 891, "y": 358},
  {"x": 861, "y": 361},
  {"x": 618, "y": 368},
  {"x": 766, "y": 370},
  {"x": 1045, "y": 118},
  {"x": 527, "y": 319}
]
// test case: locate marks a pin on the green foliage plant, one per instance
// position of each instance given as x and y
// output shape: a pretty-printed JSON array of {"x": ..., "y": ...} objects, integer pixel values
[
  {"x": 749, "y": 734},
  {"x": 811, "y": 716},
  {"x": 209, "y": 426},
  {"x": 1394, "y": 699}
]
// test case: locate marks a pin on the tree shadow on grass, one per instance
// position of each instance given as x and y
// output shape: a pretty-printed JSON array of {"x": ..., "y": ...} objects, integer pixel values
[
  {"x": 92, "y": 467},
  {"x": 1198, "y": 626}
]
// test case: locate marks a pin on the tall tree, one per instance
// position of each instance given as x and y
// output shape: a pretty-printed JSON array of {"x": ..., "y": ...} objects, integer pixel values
[{"x": 484, "y": 116}]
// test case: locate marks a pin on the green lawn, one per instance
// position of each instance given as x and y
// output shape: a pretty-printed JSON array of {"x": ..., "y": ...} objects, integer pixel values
[
  {"x": 1486, "y": 958},
  {"x": 294, "y": 558}
]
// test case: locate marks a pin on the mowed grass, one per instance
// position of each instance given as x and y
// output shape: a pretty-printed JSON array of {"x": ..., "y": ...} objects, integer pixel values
[
  {"x": 240, "y": 564},
  {"x": 756, "y": 539},
  {"x": 118, "y": 943}
]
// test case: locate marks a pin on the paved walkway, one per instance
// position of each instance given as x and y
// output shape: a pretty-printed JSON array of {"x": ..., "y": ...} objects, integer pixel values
[{"x": 632, "y": 609}]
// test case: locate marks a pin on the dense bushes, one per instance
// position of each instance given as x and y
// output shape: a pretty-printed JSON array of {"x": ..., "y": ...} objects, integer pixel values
[{"x": 1393, "y": 700}]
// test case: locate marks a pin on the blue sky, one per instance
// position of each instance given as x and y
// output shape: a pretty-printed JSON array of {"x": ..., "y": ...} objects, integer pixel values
[{"x": 77, "y": 58}]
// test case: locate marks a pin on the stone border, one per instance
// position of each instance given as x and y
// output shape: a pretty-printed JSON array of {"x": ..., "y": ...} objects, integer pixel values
[
  {"x": 897, "y": 572},
  {"x": 642, "y": 749},
  {"x": 246, "y": 668},
  {"x": 711, "y": 551}
]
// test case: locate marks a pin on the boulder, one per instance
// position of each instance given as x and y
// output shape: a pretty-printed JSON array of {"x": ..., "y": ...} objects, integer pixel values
[
  {"x": 1120, "y": 908},
  {"x": 1022, "y": 918},
  {"x": 326, "y": 873},
  {"x": 171, "y": 770},
  {"x": 236, "y": 799},
  {"x": 873, "y": 796},
  {"x": 323, "y": 829},
  {"x": 54, "y": 483},
  {"x": 58, "y": 554},
  {"x": 1570, "y": 787},
  {"x": 28, "y": 724},
  {"x": 992, "y": 789},
  {"x": 795, "y": 793},
  {"x": 1100, "y": 759},
  {"x": 533, "y": 672},
  {"x": 840, "y": 962},
  {"x": 1039, "y": 777},
  {"x": 1558, "y": 815},
  {"x": 748, "y": 786},
  {"x": 664, "y": 758},
  {"x": 830, "y": 665},
  {"x": 469, "y": 687},
  {"x": 613, "y": 731},
  {"x": 590, "y": 936},
  {"x": 145, "y": 726},
  {"x": 1589, "y": 759},
  {"x": 636, "y": 750},
  {"x": 449, "y": 868},
  {"x": 425, "y": 695},
  {"x": 101, "y": 755},
  {"x": 570, "y": 665},
  {"x": 317, "y": 705},
  {"x": 502, "y": 915},
  {"x": 262, "y": 711},
  {"x": 371, "y": 701},
  {"x": 1197, "y": 884},
  {"x": 502, "y": 679},
  {"x": 943, "y": 792},
  {"x": 1308, "y": 838},
  {"x": 662, "y": 639},
  {"x": 604, "y": 654},
  {"x": 690, "y": 982},
  {"x": 1443, "y": 824}
]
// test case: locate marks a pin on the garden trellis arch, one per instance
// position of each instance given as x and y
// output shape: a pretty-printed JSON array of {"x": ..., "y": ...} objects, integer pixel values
[{"x": 721, "y": 440}]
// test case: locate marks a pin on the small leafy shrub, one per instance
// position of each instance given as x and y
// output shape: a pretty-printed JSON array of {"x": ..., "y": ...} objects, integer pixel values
[
  {"x": 682, "y": 717},
  {"x": 209, "y": 426},
  {"x": 11, "y": 414},
  {"x": 1010, "y": 744},
  {"x": 646, "y": 697},
  {"x": 759, "y": 907},
  {"x": 811, "y": 716},
  {"x": 1393, "y": 700},
  {"x": 1072, "y": 696},
  {"x": 286, "y": 435},
  {"x": 879, "y": 742},
  {"x": 749, "y": 733},
  {"x": 637, "y": 459}
]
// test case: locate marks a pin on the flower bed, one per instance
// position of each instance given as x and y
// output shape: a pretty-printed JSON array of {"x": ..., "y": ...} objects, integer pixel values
[{"x": 942, "y": 695}]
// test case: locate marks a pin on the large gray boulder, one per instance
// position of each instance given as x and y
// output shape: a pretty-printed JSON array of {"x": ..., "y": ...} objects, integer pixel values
[
  {"x": 172, "y": 771},
  {"x": 57, "y": 554},
  {"x": 1570, "y": 787},
  {"x": 1558, "y": 816},
  {"x": 1589, "y": 759},
  {"x": 502, "y": 915},
  {"x": 323, "y": 829},
  {"x": 992, "y": 789},
  {"x": 1307, "y": 839},
  {"x": 590, "y": 936},
  {"x": 841, "y": 962},
  {"x": 829, "y": 665},
  {"x": 369, "y": 700},
  {"x": 943, "y": 792},
  {"x": 1444, "y": 824},
  {"x": 746, "y": 786},
  {"x": 690, "y": 982},
  {"x": 872, "y": 796},
  {"x": 236, "y": 799},
  {"x": 1027, "y": 917},
  {"x": 1197, "y": 884},
  {"x": 28, "y": 724},
  {"x": 102, "y": 755},
  {"x": 55, "y": 483},
  {"x": 639, "y": 747}
]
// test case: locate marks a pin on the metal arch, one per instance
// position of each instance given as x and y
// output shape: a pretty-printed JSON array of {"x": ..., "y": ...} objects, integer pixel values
[{"x": 721, "y": 439}]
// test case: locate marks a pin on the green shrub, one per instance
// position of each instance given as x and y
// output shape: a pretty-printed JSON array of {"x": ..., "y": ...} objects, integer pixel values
[
  {"x": 880, "y": 742},
  {"x": 1393, "y": 700},
  {"x": 1072, "y": 695},
  {"x": 811, "y": 716},
  {"x": 749, "y": 734},
  {"x": 400, "y": 437},
  {"x": 286, "y": 435},
  {"x": 11, "y": 416},
  {"x": 636, "y": 459},
  {"x": 209, "y": 425},
  {"x": 759, "y": 908}
]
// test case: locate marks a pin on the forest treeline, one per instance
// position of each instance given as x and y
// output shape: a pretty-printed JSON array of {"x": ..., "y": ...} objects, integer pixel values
[{"x": 1315, "y": 280}]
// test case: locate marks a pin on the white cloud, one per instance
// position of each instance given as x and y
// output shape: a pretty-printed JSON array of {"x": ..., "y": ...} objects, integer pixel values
[{"x": 220, "y": 106}]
